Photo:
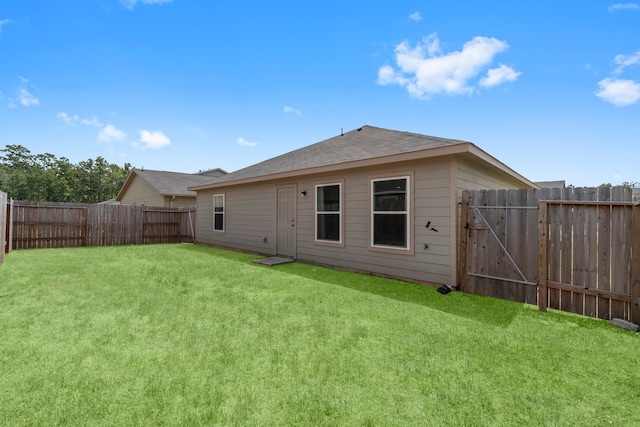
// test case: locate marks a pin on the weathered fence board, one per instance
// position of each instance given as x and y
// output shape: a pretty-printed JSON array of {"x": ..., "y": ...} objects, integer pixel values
[
  {"x": 499, "y": 262},
  {"x": 635, "y": 265},
  {"x": 48, "y": 226},
  {"x": 161, "y": 226},
  {"x": 109, "y": 225},
  {"x": 4, "y": 214},
  {"x": 56, "y": 225},
  {"x": 568, "y": 249}
]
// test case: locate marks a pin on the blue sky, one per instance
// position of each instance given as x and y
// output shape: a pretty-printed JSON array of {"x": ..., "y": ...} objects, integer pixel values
[{"x": 551, "y": 88}]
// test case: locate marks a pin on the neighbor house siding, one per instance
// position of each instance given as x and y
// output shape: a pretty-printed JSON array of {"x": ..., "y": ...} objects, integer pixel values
[
  {"x": 179, "y": 201},
  {"x": 141, "y": 191}
]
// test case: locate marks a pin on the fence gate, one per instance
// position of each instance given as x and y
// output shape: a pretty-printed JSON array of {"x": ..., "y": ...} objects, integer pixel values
[
  {"x": 496, "y": 258},
  {"x": 574, "y": 249}
]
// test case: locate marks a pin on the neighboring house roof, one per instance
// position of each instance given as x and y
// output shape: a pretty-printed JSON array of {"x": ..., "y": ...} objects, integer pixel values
[
  {"x": 364, "y": 146},
  {"x": 213, "y": 172},
  {"x": 170, "y": 183},
  {"x": 551, "y": 184},
  {"x": 109, "y": 202}
]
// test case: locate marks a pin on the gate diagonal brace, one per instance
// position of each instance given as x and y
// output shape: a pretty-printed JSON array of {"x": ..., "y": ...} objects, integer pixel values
[{"x": 495, "y": 236}]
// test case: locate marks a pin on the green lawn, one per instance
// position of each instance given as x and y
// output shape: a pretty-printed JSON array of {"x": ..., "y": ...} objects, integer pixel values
[{"x": 188, "y": 335}]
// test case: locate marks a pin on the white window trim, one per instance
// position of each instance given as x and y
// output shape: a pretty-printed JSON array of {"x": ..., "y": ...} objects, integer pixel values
[
  {"x": 223, "y": 213},
  {"x": 408, "y": 212},
  {"x": 340, "y": 211}
]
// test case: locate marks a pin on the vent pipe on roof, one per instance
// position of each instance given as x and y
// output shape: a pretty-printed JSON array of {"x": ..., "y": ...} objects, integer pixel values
[{"x": 341, "y": 132}]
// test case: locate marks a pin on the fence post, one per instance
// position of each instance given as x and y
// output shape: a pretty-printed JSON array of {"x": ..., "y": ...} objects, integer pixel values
[
  {"x": 635, "y": 265},
  {"x": 193, "y": 234},
  {"x": 4, "y": 219},
  {"x": 464, "y": 239},
  {"x": 85, "y": 226},
  {"x": 543, "y": 229},
  {"x": 10, "y": 225}
]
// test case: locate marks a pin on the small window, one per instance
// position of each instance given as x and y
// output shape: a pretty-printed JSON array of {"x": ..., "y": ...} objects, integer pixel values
[
  {"x": 218, "y": 212},
  {"x": 329, "y": 213},
  {"x": 390, "y": 213}
]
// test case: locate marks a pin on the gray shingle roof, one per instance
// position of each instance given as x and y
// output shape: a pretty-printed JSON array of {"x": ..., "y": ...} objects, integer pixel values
[
  {"x": 173, "y": 183},
  {"x": 364, "y": 143}
]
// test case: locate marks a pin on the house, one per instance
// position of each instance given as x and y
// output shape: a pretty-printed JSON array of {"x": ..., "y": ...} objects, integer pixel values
[
  {"x": 161, "y": 188},
  {"x": 371, "y": 200},
  {"x": 551, "y": 184}
]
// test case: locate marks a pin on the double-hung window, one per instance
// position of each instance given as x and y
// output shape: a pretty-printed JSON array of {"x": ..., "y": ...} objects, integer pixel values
[
  {"x": 218, "y": 212},
  {"x": 390, "y": 212},
  {"x": 329, "y": 213}
]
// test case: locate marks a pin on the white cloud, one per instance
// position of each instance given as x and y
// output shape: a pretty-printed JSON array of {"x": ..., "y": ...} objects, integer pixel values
[
  {"x": 73, "y": 119},
  {"x": 624, "y": 6},
  {"x": 67, "y": 118},
  {"x": 387, "y": 75},
  {"x": 3, "y": 22},
  {"x": 154, "y": 139},
  {"x": 245, "y": 143},
  {"x": 130, "y": 4},
  {"x": 433, "y": 44},
  {"x": 26, "y": 98},
  {"x": 424, "y": 71},
  {"x": 497, "y": 76},
  {"x": 619, "y": 92},
  {"x": 24, "y": 95},
  {"x": 624, "y": 61},
  {"x": 110, "y": 133},
  {"x": 291, "y": 110},
  {"x": 415, "y": 16},
  {"x": 91, "y": 122}
]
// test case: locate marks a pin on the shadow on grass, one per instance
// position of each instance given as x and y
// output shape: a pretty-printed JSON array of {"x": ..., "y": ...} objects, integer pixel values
[
  {"x": 486, "y": 310},
  {"x": 480, "y": 309}
]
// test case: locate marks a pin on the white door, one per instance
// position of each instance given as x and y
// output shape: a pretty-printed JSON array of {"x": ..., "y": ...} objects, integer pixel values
[{"x": 286, "y": 231}]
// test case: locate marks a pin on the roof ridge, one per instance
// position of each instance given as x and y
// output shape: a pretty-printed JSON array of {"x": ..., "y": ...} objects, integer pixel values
[{"x": 364, "y": 143}]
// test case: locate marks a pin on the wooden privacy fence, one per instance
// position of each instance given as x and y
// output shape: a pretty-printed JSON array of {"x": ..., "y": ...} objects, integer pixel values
[
  {"x": 4, "y": 213},
  {"x": 573, "y": 249},
  {"x": 58, "y": 225}
]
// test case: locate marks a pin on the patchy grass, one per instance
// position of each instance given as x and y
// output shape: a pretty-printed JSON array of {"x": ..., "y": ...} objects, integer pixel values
[{"x": 188, "y": 335}]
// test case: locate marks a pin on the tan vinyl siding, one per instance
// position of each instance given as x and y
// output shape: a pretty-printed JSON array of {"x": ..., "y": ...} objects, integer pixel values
[
  {"x": 179, "y": 201},
  {"x": 436, "y": 185},
  {"x": 475, "y": 176},
  {"x": 430, "y": 202},
  {"x": 249, "y": 217},
  {"x": 140, "y": 191},
  {"x": 204, "y": 209}
]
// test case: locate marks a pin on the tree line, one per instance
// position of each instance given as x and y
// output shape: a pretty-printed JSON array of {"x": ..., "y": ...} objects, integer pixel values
[{"x": 44, "y": 177}]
